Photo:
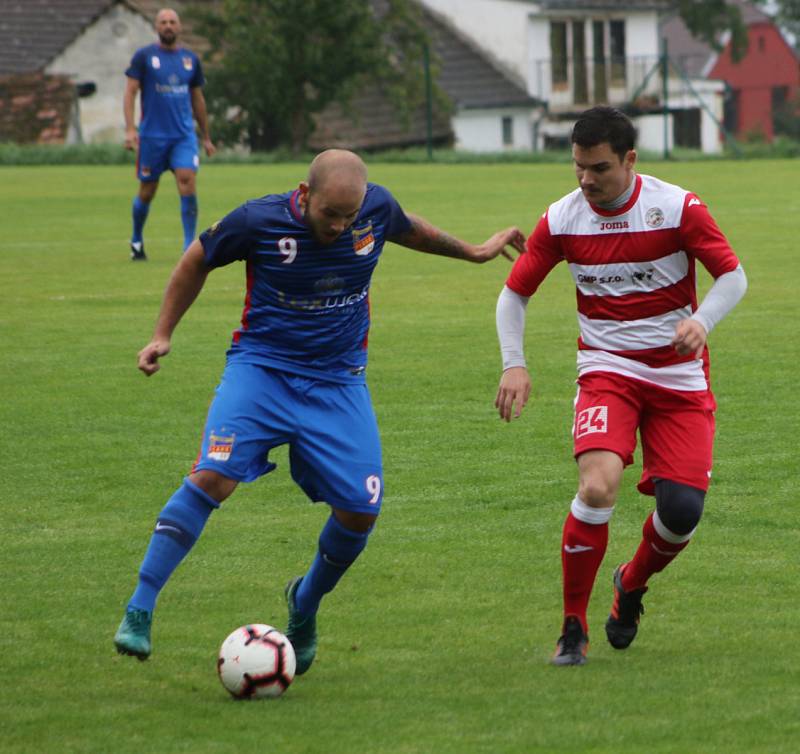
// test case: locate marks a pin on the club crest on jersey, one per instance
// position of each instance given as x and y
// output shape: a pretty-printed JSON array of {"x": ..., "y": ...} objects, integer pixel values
[
  {"x": 654, "y": 217},
  {"x": 363, "y": 240},
  {"x": 220, "y": 446},
  {"x": 187, "y": 63},
  {"x": 155, "y": 62}
]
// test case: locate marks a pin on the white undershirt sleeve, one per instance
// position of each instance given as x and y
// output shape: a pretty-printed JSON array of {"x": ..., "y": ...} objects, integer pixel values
[
  {"x": 726, "y": 292},
  {"x": 510, "y": 317}
]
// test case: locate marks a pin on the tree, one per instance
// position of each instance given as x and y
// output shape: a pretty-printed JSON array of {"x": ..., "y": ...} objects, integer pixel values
[
  {"x": 276, "y": 63},
  {"x": 787, "y": 16},
  {"x": 708, "y": 19}
]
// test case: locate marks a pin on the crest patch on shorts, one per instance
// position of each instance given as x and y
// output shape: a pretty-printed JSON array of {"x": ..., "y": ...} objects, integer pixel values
[{"x": 220, "y": 446}]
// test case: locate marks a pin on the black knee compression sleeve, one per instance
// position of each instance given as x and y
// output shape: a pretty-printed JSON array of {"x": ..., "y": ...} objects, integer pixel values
[{"x": 679, "y": 506}]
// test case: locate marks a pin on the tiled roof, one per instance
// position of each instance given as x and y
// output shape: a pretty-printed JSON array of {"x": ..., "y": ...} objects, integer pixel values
[
  {"x": 33, "y": 32},
  {"x": 465, "y": 75},
  {"x": 604, "y": 5}
]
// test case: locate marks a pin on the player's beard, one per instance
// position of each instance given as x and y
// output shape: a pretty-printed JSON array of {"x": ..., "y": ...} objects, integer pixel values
[{"x": 167, "y": 38}]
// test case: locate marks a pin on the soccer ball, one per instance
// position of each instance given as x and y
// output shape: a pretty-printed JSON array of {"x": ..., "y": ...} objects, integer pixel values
[{"x": 256, "y": 661}]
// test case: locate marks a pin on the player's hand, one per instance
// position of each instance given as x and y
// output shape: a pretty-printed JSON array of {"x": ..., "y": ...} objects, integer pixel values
[
  {"x": 208, "y": 145},
  {"x": 151, "y": 353},
  {"x": 513, "y": 393},
  {"x": 690, "y": 337},
  {"x": 497, "y": 244},
  {"x": 131, "y": 138}
]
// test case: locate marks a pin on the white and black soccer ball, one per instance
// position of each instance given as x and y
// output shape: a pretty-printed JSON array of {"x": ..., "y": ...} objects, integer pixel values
[{"x": 256, "y": 661}]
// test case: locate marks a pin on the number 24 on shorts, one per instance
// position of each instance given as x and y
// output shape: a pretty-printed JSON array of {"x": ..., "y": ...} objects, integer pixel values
[{"x": 591, "y": 420}]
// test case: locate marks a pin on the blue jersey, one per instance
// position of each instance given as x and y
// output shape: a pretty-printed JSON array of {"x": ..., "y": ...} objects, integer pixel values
[
  {"x": 307, "y": 305},
  {"x": 166, "y": 78}
]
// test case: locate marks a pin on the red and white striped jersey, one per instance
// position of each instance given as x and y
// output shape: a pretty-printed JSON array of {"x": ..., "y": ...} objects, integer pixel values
[{"x": 634, "y": 271}]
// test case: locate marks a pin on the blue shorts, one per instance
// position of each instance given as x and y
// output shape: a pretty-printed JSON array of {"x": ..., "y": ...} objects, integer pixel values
[
  {"x": 334, "y": 447},
  {"x": 157, "y": 155}
]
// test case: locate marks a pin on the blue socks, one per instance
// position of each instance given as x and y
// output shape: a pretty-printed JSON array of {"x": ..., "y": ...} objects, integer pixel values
[
  {"x": 188, "y": 218},
  {"x": 338, "y": 549},
  {"x": 178, "y": 526},
  {"x": 140, "y": 210}
]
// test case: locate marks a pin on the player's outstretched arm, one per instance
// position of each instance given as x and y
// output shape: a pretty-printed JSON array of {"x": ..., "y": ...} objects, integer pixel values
[
  {"x": 422, "y": 236},
  {"x": 184, "y": 285}
]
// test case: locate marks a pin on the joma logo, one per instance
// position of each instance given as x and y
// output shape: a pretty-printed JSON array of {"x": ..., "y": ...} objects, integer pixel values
[{"x": 614, "y": 225}]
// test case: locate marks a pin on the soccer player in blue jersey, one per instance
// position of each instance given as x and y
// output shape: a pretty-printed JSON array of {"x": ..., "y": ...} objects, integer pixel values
[
  {"x": 170, "y": 80},
  {"x": 294, "y": 373}
]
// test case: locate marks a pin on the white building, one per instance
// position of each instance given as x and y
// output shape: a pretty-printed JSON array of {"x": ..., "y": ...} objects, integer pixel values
[{"x": 572, "y": 54}]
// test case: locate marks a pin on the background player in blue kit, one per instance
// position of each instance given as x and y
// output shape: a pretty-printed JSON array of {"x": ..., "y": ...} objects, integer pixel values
[
  {"x": 294, "y": 373},
  {"x": 170, "y": 80}
]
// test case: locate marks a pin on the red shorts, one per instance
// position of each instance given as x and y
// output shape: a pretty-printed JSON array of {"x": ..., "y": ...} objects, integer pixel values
[{"x": 676, "y": 427}]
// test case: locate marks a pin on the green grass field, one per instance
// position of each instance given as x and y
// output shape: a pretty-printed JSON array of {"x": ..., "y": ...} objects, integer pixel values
[{"x": 438, "y": 639}]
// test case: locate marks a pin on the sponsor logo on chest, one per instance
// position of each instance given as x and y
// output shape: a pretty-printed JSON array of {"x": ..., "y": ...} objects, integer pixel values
[{"x": 614, "y": 225}]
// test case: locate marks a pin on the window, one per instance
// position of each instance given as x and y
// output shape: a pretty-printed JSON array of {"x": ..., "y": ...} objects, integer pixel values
[
  {"x": 581, "y": 91},
  {"x": 617, "y": 37},
  {"x": 558, "y": 53},
  {"x": 508, "y": 131},
  {"x": 599, "y": 59},
  {"x": 731, "y": 111},
  {"x": 686, "y": 128},
  {"x": 780, "y": 96}
]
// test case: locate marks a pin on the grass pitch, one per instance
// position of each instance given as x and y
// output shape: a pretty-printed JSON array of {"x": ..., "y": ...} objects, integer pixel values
[{"x": 438, "y": 639}]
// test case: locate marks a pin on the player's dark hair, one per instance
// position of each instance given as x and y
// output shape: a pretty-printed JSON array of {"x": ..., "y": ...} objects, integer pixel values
[{"x": 603, "y": 124}]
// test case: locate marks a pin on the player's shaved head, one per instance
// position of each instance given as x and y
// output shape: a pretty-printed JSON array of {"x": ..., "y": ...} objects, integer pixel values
[
  {"x": 337, "y": 170},
  {"x": 167, "y": 26},
  {"x": 332, "y": 196},
  {"x": 165, "y": 13}
]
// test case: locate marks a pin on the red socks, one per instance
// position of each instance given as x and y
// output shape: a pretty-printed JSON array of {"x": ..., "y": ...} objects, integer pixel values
[
  {"x": 583, "y": 546},
  {"x": 659, "y": 547}
]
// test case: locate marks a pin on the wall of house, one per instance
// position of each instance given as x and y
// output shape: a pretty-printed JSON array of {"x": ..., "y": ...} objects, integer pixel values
[
  {"x": 100, "y": 55},
  {"x": 482, "y": 130},
  {"x": 769, "y": 63}
]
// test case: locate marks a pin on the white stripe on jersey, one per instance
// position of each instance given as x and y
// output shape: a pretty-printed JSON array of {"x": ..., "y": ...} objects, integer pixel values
[
  {"x": 687, "y": 375},
  {"x": 631, "y": 335},
  {"x": 569, "y": 214},
  {"x": 619, "y": 279}
]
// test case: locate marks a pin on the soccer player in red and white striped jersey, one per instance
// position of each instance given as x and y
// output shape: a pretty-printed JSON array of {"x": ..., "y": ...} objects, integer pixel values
[{"x": 631, "y": 242}]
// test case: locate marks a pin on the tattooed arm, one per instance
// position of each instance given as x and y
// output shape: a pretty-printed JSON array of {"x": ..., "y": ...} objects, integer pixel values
[{"x": 422, "y": 236}]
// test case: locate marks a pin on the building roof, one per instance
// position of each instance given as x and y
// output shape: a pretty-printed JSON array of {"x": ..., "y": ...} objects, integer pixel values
[
  {"x": 591, "y": 5},
  {"x": 465, "y": 75},
  {"x": 34, "y": 32}
]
